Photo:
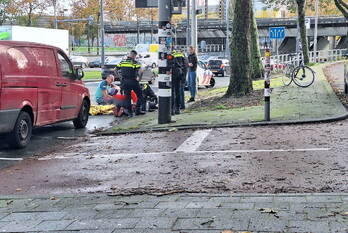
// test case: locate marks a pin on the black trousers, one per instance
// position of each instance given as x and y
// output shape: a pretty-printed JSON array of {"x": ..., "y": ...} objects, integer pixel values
[
  {"x": 176, "y": 100},
  {"x": 128, "y": 86}
]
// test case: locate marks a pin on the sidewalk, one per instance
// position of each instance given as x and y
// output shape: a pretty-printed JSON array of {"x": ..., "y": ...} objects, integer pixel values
[
  {"x": 288, "y": 104},
  {"x": 199, "y": 213}
]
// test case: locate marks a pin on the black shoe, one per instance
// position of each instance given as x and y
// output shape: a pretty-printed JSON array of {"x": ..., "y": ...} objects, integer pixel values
[
  {"x": 139, "y": 113},
  {"x": 191, "y": 100},
  {"x": 177, "y": 112}
]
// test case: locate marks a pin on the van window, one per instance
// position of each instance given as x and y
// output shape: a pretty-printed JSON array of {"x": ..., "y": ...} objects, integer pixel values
[
  {"x": 31, "y": 61},
  {"x": 65, "y": 67}
]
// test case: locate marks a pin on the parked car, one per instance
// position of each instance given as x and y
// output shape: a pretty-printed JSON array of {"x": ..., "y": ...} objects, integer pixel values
[
  {"x": 204, "y": 80},
  {"x": 149, "y": 59},
  {"x": 219, "y": 66},
  {"x": 79, "y": 61},
  {"x": 96, "y": 63},
  {"x": 38, "y": 86},
  {"x": 345, "y": 54},
  {"x": 109, "y": 68}
]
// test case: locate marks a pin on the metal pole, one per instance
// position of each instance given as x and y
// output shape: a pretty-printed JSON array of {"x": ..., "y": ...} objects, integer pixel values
[
  {"x": 164, "y": 54},
  {"x": 151, "y": 27},
  {"x": 102, "y": 32},
  {"x": 267, "y": 92},
  {"x": 316, "y": 30},
  {"x": 55, "y": 14},
  {"x": 227, "y": 49},
  {"x": 188, "y": 31},
  {"x": 194, "y": 26},
  {"x": 138, "y": 30}
]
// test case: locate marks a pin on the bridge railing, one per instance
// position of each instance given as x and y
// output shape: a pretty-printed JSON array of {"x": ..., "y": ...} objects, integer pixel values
[
  {"x": 208, "y": 48},
  {"x": 322, "y": 56}
]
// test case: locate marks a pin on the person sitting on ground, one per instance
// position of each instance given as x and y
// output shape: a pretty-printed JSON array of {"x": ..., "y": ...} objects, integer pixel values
[{"x": 102, "y": 95}]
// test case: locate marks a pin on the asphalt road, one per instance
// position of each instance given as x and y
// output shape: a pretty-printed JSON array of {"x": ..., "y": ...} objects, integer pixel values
[{"x": 273, "y": 159}]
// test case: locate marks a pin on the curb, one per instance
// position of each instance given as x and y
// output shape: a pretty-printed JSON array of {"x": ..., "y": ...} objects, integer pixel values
[{"x": 250, "y": 124}]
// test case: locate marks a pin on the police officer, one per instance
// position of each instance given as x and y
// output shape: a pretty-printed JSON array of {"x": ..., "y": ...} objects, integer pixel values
[
  {"x": 130, "y": 73},
  {"x": 178, "y": 77}
]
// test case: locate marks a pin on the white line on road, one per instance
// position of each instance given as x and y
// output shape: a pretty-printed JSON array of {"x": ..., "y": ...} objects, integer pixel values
[
  {"x": 192, "y": 143},
  {"x": 12, "y": 159},
  {"x": 76, "y": 156}
]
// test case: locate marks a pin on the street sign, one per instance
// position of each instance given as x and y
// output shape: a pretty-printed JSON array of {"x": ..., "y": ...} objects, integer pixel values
[{"x": 277, "y": 33}]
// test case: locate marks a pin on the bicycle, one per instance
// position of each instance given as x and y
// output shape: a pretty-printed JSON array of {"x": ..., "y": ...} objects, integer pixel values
[{"x": 301, "y": 75}]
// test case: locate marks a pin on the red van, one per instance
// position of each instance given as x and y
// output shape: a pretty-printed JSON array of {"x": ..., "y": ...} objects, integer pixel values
[{"x": 38, "y": 86}]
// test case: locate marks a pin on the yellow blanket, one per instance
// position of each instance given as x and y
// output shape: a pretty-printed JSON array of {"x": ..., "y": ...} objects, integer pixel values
[{"x": 101, "y": 110}]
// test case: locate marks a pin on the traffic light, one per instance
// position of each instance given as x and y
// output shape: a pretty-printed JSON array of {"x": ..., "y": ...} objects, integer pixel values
[{"x": 221, "y": 9}]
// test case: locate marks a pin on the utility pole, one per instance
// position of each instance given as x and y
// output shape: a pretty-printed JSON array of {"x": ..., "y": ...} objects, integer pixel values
[
  {"x": 227, "y": 49},
  {"x": 165, "y": 38},
  {"x": 151, "y": 26},
  {"x": 138, "y": 30},
  {"x": 55, "y": 13},
  {"x": 316, "y": 30},
  {"x": 188, "y": 28},
  {"x": 194, "y": 26},
  {"x": 102, "y": 32}
]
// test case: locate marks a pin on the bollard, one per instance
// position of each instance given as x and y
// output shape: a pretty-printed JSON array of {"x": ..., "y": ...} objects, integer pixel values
[
  {"x": 267, "y": 91},
  {"x": 164, "y": 53}
]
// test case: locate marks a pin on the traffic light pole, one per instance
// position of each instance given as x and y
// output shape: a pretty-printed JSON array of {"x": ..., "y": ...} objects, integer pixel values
[{"x": 165, "y": 38}]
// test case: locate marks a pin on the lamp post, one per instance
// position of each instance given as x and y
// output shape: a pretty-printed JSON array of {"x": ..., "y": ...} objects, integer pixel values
[
  {"x": 55, "y": 13},
  {"x": 102, "y": 32},
  {"x": 316, "y": 30}
]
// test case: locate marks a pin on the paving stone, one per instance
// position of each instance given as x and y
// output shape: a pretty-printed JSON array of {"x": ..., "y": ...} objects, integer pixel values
[
  {"x": 21, "y": 205},
  {"x": 292, "y": 199},
  {"x": 267, "y": 222},
  {"x": 142, "y": 231},
  {"x": 125, "y": 223},
  {"x": 287, "y": 215},
  {"x": 47, "y": 205},
  {"x": 313, "y": 213},
  {"x": 142, "y": 205},
  {"x": 240, "y": 206},
  {"x": 139, "y": 213},
  {"x": 199, "y": 231},
  {"x": 156, "y": 223},
  {"x": 137, "y": 199},
  {"x": 2, "y": 215},
  {"x": 257, "y": 199},
  {"x": 200, "y": 204},
  {"x": 309, "y": 226},
  {"x": 225, "y": 199},
  {"x": 220, "y": 212},
  {"x": 184, "y": 224},
  {"x": 111, "y": 206},
  {"x": 32, "y": 216},
  {"x": 120, "y": 213},
  {"x": 324, "y": 198},
  {"x": 23, "y": 226},
  {"x": 274, "y": 205},
  {"x": 180, "y": 213},
  {"x": 171, "y": 205},
  {"x": 190, "y": 199},
  {"x": 80, "y": 214},
  {"x": 338, "y": 226},
  {"x": 53, "y": 225}
]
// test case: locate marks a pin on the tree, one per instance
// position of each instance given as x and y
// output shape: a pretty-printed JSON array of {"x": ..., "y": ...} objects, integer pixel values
[
  {"x": 255, "y": 54},
  {"x": 29, "y": 9},
  {"x": 240, "y": 81},
  {"x": 301, "y": 11},
  {"x": 343, "y": 7},
  {"x": 4, "y": 4},
  {"x": 292, "y": 5}
]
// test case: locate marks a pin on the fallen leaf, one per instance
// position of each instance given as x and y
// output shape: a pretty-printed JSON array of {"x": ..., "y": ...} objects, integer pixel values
[
  {"x": 18, "y": 190},
  {"x": 227, "y": 231},
  {"x": 345, "y": 213},
  {"x": 268, "y": 210},
  {"x": 173, "y": 130},
  {"x": 9, "y": 202},
  {"x": 53, "y": 198}
]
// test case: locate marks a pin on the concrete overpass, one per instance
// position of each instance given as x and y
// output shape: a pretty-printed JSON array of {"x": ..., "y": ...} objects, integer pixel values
[{"x": 213, "y": 31}]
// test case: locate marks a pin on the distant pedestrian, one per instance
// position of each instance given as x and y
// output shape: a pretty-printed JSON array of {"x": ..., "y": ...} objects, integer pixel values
[
  {"x": 192, "y": 76},
  {"x": 130, "y": 72}
]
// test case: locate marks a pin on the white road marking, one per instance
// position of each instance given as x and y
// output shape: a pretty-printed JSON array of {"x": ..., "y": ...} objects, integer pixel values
[
  {"x": 192, "y": 143},
  {"x": 77, "y": 156},
  {"x": 12, "y": 159}
]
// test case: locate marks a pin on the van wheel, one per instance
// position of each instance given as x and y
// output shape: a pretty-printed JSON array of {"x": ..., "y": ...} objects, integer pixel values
[
  {"x": 82, "y": 118},
  {"x": 22, "y": 131}
]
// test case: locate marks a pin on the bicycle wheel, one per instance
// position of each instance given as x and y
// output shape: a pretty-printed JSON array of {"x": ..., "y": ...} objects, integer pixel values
[
  {"x": 303, "y": 76},
  {"x": 287, "y": 77}
]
